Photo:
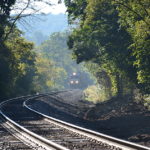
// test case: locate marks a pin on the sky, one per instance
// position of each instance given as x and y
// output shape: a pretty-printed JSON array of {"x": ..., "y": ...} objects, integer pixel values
[{"x": 41, "y": 7}]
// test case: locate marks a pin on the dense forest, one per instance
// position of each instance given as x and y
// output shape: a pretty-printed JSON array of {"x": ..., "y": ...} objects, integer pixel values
[
  {"x": 111, "y": 38},
  {"x": 114, "y": 35},
  {"x": 39, "y": 65}
]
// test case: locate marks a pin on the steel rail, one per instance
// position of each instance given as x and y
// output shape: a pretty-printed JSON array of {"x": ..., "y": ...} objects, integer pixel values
[
  {"x": 39, "y": 140},
  {"x": 125, "y": 145}
]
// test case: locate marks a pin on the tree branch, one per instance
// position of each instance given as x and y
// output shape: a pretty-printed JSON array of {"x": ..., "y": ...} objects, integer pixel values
[
  {"x": 130, "y": 9},
  {"x": 16, "y": 18},
  {"x": 143, "y": 7}
]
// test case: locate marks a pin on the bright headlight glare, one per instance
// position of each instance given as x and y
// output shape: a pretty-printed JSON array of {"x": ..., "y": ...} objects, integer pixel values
[
  {"x": 71, "y": 82},
  {"x": 77, "y": 82}
]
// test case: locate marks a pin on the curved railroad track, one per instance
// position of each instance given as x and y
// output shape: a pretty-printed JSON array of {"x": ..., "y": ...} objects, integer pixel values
[{"x": 44, "y": 132}]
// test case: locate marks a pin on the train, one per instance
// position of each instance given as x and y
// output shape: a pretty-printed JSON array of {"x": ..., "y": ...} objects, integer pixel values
[
  {"x": 74, "y": 80},
  {"x": 79, "y": 80}
]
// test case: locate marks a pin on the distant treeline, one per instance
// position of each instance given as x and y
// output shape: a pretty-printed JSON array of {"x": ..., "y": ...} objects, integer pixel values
[{"x": 41, "y": 26}]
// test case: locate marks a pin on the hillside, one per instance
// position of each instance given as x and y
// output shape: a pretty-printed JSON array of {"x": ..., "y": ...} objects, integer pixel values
[{"x": 37, "y": 28}]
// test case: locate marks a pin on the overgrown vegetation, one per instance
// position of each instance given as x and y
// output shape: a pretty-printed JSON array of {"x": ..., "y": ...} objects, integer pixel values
[
  {"x": 96, "y": 94},
  {"x": 114, "y": 35},
  {"x": 17, "y": 66},
  {"x": 25, "y": 69},
  {"x": 111, "y": 37}
]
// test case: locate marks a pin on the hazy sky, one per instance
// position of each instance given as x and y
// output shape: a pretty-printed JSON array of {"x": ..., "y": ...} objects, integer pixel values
[{"x": 42, "y": 7}]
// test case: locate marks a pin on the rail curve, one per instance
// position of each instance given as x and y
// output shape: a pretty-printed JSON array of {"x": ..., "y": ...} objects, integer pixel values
[{"x": 40, "y": 129}]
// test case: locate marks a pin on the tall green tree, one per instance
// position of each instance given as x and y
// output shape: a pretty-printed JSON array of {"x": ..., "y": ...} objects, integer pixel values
[
  {"x": 135, "y": 18},
  {"x": 101, "y": 40},
  {"x": 17, "y": 66},
  {"x": 16, "y": 56},
  {"x": 115, "y": 35},
  {"x": 21, "y": 62}
]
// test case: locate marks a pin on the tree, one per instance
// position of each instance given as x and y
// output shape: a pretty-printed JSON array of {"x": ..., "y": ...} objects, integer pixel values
[
  {"x": 55, "y": 50},
  {"x": 22, "y": 65},
  {"x": 76, "y": 9},
  {"x": 5, "y": 8},
  {"x": 48, "y": 75},
  {"x": 100, "y": 39},
  {"x": 17, "y": 66},
  {"x": 20, "y": 9},
  {"x": 16, "y": 57},
  {"x": 135, "y": 18}
]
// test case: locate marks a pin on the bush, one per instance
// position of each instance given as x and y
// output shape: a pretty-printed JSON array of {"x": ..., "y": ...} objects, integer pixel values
[{"x": 96, "y": 94}]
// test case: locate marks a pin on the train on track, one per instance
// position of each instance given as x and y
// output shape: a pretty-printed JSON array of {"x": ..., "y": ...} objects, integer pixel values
[{"x": 74, "y": 80}]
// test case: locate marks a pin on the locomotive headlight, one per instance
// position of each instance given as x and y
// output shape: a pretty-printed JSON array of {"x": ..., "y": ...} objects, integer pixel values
[
  {"x": 71, "y": 82},
  {"x": 76, "y": 81},
  {"x": 74, "y": 73}
]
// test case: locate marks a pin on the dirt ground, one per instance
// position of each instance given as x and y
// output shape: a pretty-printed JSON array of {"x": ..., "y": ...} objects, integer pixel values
[{"x": 118, "y": 117}]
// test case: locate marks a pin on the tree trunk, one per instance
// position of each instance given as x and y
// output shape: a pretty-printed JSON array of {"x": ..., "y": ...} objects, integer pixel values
[{"x": 119, "y": 85}]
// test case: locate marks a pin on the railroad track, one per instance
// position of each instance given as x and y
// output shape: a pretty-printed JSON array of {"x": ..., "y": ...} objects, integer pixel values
[
  {"x": 8, "y": 141},
  {"x": 44, "y": 132}
]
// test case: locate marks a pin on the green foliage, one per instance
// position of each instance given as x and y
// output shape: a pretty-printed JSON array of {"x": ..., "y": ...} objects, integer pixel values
[
  {"x": 114, "y": 35},
  {"x": 55, "y": 52},
  {"x": 24, "y": 71},
  {"x": 48, "y": 76},
  {"x": 76, "y": 9},
  {"x": 147, "y": 101},
  {"x": 96, "y": 94},
  {"x": 135, "y": 17},
  {"x": 101, "y": 40},
  {"x": 17, "y": 65},
  {"x": 55, "y": 49},
  {"x": 16, "y": 56}
]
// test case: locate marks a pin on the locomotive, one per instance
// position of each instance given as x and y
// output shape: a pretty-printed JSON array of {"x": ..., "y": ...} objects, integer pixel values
[
  {"x": 74, "y": 80},
  {"x": 80, "y": 80}
]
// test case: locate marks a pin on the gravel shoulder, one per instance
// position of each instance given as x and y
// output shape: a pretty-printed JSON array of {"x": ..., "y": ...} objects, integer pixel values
[{"x": 120, "y": 118}]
